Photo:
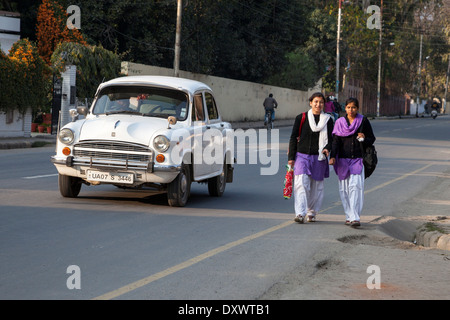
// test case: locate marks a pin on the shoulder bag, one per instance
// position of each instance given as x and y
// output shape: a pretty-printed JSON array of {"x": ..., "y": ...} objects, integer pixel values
[{"x": 370, "y": 158}]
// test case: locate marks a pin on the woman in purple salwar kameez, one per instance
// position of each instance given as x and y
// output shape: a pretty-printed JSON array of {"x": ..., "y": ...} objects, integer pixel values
[
  {"x": 308, "y": 152},
  {"x": 346, "y": 157}
]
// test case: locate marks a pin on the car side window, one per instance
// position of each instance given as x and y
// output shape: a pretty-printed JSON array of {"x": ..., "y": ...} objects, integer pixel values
[
  {"x": 211, "y": 107},
  {"x": 197, "y": 111}
]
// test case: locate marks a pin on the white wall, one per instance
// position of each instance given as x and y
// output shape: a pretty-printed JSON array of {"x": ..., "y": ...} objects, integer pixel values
[
  {"x": 413, "y": 107},
  {"x": 20, "y": 126},
  {"x": 238, "y": 100}
]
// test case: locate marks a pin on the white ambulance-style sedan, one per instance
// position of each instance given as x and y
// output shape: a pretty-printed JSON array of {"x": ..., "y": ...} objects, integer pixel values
[{"x": 147, "y": 131}]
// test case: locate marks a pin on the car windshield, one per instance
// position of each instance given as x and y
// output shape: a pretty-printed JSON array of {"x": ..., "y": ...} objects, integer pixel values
[{"x": 145, "y": 101}]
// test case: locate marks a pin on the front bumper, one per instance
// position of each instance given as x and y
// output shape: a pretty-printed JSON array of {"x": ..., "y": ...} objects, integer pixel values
[{"x": 144, "y": 172}]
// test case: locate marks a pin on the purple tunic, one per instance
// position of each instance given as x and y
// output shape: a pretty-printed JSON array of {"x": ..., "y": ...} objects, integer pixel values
[
  {"x": 344, "y": 167},
  {"x": 310, "y": 165}
]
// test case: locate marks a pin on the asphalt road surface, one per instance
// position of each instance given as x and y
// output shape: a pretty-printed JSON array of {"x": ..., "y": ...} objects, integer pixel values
[{"x": 111, "y": 243}]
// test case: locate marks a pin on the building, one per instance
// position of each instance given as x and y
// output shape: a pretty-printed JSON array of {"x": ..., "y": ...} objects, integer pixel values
[{"x": 9, "y": 29}]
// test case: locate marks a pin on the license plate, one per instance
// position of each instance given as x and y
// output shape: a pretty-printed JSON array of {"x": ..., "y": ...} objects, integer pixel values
[{"x": 116, "y": 177}]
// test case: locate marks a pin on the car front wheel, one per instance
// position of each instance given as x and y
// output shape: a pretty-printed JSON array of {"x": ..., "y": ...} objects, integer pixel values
[
  {"x": 69, "y": 187},
  {"x": 178, "y": 190}
]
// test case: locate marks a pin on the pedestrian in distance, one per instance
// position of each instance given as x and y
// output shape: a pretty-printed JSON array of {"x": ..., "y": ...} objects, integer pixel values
[
  {"x": 330, "y": 108},
  {"x": 309, "y": 147},
  {"x": 351, "y": 134},
  {"x": 269, "y": 106}
]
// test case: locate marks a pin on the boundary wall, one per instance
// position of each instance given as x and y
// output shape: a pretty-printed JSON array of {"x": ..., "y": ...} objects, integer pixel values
[{"x": 238, "y": 101}]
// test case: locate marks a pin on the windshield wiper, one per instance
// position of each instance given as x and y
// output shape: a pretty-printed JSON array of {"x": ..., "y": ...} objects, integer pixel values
[
  {"x": 156, "y": 115},
  {"x": 123, "y": 111}
]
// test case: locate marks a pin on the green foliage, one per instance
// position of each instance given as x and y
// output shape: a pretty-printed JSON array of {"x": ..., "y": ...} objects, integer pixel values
[
  {"x": 94, "y": 65},
  {"x": 25, "y": 79},
  {"x": 301, "y": 72},
  {"x": 246, "y": 40}
]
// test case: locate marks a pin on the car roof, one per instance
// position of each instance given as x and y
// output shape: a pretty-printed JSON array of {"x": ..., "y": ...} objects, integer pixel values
[{"x": 187, "y": 85}]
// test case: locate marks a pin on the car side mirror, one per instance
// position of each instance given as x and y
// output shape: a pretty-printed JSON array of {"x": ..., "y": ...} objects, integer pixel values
[
  {"x": 83, "y": 110},
  {"x": 172, "y": 120}
]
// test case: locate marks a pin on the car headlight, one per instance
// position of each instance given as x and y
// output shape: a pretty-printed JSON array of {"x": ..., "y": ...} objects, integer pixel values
[
  {"x": 66, "y": 136},
  {"x": 161, "y": 143}
]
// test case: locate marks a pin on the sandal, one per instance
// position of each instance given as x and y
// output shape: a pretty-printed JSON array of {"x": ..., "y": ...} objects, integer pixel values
[
  {"x": 299, "y": 219},
  {"x": 355, "y": 224}
]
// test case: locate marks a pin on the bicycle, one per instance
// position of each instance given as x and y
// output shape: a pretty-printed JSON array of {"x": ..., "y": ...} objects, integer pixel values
[{"x": 269, "y": 121}]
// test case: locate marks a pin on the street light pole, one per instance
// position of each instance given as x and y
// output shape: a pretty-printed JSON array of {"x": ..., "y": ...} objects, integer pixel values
[
  {"x": 420, "y": 81},
  {"x": 379, "y": 62},
  {"x": 176, "y": 62},
  {"x": 337, "y": 50},
  {"x": 446, "y": 86}
]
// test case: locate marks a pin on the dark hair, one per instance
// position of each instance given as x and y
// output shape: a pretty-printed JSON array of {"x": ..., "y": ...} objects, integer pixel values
[
  {"x": 352, "y": 100},
  {"x": 271, "y": 95},
  {"x": 317, "y": 95}
]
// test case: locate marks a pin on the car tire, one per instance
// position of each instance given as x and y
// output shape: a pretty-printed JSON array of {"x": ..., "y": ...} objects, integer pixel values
[
  {"x": 216, "y": 185},
  {"x": 178, "y": 191},
  {"x": 69, "y": 187}
]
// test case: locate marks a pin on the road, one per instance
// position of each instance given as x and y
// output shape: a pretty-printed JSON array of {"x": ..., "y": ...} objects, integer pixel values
[{"x": 131, "y": 245}]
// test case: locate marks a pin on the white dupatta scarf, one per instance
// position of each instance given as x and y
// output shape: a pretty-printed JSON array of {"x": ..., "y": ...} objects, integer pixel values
[{"x": 321, "y": 127}]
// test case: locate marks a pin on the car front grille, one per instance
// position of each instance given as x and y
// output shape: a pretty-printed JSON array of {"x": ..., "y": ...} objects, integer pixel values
[{"x": 112, "y": 154}]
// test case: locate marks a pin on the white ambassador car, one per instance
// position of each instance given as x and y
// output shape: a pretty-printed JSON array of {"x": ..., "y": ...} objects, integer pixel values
[{"x": 146, "y": 131}]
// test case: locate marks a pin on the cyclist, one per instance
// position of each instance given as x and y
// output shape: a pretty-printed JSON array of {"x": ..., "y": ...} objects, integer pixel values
[{"x": 269, "y": 105}]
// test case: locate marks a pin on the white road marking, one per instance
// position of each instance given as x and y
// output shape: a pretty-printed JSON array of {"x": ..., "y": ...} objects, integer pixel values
[{"x": 41, "y": 176}]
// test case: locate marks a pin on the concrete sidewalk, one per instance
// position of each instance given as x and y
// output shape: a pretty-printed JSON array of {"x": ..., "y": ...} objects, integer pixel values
[{"x": 36, "y": 140}]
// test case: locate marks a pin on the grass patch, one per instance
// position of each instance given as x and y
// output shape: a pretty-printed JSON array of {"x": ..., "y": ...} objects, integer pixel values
[
  {"x": 431, "y": 227},
  {"x": 37, "y": 144}
]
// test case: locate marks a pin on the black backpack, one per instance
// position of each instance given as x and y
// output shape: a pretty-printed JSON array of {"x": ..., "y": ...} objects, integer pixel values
[{"x": 370, "y": 158}]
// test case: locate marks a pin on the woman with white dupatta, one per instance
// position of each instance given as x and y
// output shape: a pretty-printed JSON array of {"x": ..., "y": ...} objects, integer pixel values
[
  {"x": 309, "y": 147},
  {"x": 346, "y": 156}
]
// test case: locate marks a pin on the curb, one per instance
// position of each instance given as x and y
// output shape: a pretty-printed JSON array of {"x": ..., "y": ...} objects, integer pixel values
[
  {"x": 23, "y": 143},
  {"x": 416, "y": 232},
  {"x": 15, "y": 145},
  {"x": 433, "y": 239}
]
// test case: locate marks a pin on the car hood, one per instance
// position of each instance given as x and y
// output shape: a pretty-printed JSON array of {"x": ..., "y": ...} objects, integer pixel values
[{"x": 129, "y": 128}]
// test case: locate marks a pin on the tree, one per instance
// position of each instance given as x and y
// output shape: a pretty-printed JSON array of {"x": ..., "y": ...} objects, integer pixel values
[
  {"x": 25, "y": 78},
  {"x": 94, "y": 65},
  {"x": 51, "y": 29},
  {"x": 301, "y": 72}
]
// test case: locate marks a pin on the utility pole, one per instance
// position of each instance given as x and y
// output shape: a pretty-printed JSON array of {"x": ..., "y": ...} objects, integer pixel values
[
  {"x": 446, "y": 87},
  {"x": 420, "y": 81},
  {"x": 379, "y": 62},
  {"x": 176, "y": 62},
  {"x": 337, "y": 50}
]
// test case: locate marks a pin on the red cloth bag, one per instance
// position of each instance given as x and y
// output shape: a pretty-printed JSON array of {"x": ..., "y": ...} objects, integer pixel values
[{"x": 288, "y": 180}]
